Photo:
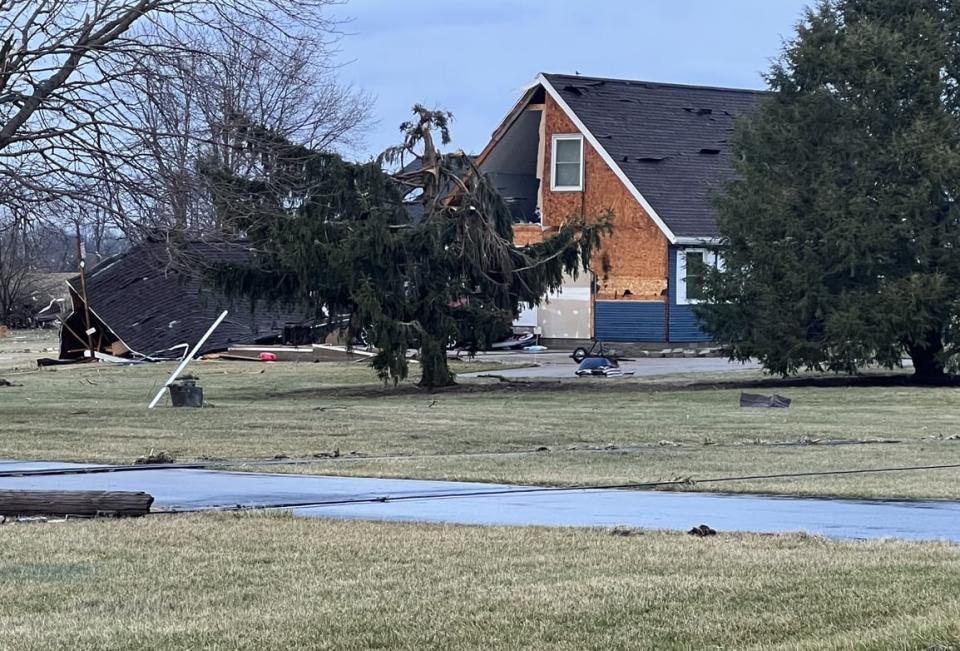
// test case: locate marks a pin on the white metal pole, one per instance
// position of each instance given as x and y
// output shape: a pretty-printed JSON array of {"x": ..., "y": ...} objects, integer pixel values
[{"x": 186, "y": 360}]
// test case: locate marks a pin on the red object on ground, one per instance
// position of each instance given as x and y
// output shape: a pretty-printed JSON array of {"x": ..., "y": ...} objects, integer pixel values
[{"x": 268, "y": 357}]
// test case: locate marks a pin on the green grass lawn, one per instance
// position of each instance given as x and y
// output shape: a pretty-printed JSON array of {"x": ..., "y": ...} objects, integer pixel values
[
  {"x": 617, "y": 431},
  {"x": 275, "y": 582}
]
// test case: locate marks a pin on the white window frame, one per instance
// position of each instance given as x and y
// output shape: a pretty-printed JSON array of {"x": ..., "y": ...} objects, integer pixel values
[
  {"x": 710, "y": 259},
  {"x": 553, "y": 163}
]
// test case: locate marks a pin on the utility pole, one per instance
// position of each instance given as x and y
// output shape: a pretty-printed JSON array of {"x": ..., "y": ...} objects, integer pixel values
[{"x": 81, "y": 256}]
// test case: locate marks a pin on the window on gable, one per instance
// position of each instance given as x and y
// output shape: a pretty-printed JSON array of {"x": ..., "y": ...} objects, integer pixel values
[{"x": 567, "y": 163}]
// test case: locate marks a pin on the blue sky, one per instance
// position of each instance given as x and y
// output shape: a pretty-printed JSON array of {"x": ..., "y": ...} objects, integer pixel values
[{"x": 473, "y": 57}]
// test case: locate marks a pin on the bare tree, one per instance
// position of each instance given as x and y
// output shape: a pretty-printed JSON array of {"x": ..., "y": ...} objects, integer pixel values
[
  {"x": 201, "y": 110},
  {"x": 84, "y": 85}
]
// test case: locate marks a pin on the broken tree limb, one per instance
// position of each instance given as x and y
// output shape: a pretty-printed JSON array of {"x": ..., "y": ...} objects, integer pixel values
[
  {"x": 78, "y": 503},
  {"x": 186, "y": 360}
]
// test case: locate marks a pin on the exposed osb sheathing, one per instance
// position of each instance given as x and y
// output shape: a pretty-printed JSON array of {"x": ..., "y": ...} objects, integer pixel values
[
  {"x": 524, "y": 234},
  {"x": 633, "y": 260}
]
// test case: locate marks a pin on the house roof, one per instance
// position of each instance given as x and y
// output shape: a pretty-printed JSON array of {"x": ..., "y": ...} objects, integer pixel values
[
  {"x": 672, "y": 142},
  {"x": 154, "y": 297}
]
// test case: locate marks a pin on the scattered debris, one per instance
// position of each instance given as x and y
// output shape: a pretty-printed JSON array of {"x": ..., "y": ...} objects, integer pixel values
[
  {"x": 155, "y": 457},
  {"x": 626, "y": 532},
  {"x": 192, "y": 397},
  {"x": 600, "y": 366},
  {"x": 542, "y": 448},
  {"x": 327, "y": 455},
  {"x": 770, "y": 402},
  {"x": 278, "y": 457},
  {"x": 515, "y": 342},
  {"x": 80, "y": 503},
  {"x": 7, "y": 383},
  {"x": 668, "y": 444},
  {"x": 702, "y": 531},
  {"x": 152, "y": 300},
  {"x": 185, "y": 393},
  {"x": 941, "y": 437},
  {"x": 330, "y": 407}
]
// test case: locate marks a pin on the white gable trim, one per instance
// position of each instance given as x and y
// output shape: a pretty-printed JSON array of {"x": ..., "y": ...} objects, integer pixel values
[{"x": 607, "y": 158}]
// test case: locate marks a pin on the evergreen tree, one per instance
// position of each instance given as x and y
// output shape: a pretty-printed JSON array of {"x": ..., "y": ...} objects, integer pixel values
[
  {"x": 340, "y": 238},
  {"x": 840, "y": 234}
]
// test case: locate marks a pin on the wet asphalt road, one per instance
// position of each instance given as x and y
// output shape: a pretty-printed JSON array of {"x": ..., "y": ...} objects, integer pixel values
[{"x": 436, "y": 501}]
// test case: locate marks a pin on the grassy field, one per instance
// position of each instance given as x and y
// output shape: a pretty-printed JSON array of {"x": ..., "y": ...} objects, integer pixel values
[
  {"x": 274, "y": 582},
  {"x": 573, "y": 432}
]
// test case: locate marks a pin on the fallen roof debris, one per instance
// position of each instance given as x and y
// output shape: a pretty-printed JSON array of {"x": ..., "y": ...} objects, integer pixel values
[
  {"x": 769, "y": 402},
  {"x": 153, "y": 302}
]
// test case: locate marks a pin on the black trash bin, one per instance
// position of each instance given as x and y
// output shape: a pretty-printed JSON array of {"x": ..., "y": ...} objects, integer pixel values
[{"x": 186, "y": 393}]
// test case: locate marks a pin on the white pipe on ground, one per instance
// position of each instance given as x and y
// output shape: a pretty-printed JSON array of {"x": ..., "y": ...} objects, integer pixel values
[{"x": 186, "y": 360}]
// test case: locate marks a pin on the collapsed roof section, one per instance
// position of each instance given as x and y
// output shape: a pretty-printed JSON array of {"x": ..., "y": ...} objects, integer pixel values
[{"x": 153, "y": 301}]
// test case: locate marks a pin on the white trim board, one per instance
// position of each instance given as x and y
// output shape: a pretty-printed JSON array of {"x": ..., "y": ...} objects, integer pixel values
[
  {"x": 542, "y": 80},
  {"x": 554, "y": 139}
]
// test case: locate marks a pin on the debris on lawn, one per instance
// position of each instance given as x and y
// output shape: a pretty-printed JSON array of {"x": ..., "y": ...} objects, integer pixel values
[
  {"x": 327, "y": 455},
  {"x": 702, "y": 531},
  {"x": 155, "y": 457},
  {"x": 185, "y": 392},
  {"x": 600, "y": 367},
  {"x": 769, "y": 402},
  {"x": 152, "y": 302},
  {"x": 19, "y": 503}
]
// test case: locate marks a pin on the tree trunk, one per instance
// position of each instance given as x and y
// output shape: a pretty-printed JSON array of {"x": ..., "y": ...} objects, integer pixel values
[
  {"x": 927, "y": 360},
  {"x": 433, "y": 360}
]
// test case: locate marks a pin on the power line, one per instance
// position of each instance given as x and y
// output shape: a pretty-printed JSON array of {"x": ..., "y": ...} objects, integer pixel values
[{"x": 558, "y": 489}]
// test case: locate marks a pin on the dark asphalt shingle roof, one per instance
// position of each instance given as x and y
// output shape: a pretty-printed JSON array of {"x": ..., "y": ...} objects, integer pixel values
[
  {"x": 672, "y": 141},
  {"x": 153, "y": 298}
]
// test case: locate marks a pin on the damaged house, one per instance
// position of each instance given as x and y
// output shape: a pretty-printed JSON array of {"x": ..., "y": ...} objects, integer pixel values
[
  {"x": 654, "y": 154},
  {"x": 150, "y": 302}
]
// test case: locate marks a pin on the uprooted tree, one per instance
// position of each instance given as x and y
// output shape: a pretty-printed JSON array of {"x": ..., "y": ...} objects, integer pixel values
[
  {"x": 841, "y": 234},
  {"x": 415, "y": 259}
]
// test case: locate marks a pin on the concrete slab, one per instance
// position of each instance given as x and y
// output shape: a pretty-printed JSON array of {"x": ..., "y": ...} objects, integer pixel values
[{"x": 438, "y": 501}]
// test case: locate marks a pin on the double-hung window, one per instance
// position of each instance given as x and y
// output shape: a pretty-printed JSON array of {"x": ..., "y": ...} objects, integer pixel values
[{"x": 567, "y": 157}]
